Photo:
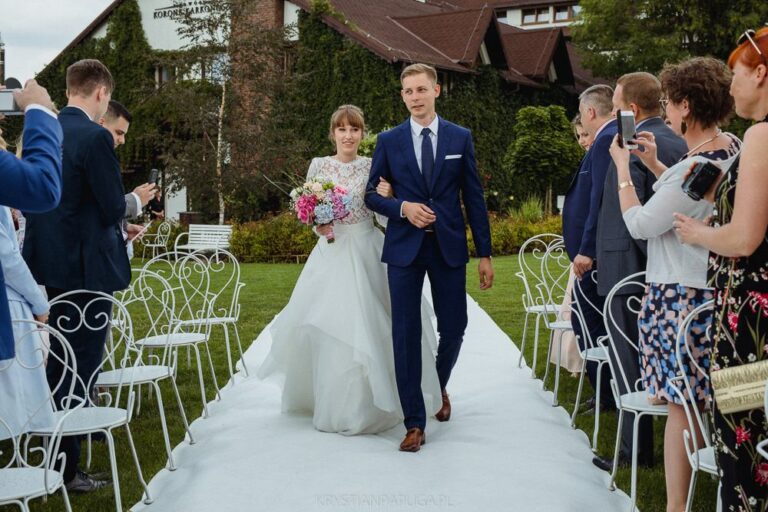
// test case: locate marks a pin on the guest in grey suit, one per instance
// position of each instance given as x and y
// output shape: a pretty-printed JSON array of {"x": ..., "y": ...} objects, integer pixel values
[{"x": 618, "y": 254}]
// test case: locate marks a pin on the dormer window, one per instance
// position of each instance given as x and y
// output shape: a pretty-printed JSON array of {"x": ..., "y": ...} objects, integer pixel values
[{"x": 536, "y": 16}]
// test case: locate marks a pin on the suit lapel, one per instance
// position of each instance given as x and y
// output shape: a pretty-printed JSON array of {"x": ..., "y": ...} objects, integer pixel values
[
  {"x": 406, "y": 145},
  {"x": 443, "y": 140}
]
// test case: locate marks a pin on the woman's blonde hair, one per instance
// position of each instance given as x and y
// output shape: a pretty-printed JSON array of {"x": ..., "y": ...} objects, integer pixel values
[{"x": 346, "y": 114}]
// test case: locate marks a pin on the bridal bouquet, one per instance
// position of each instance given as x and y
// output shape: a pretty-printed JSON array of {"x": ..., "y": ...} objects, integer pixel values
[{"x": 319, "y": 201}]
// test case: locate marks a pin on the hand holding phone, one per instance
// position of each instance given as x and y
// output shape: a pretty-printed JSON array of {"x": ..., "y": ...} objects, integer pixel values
[{"x": 627, "y": 130}]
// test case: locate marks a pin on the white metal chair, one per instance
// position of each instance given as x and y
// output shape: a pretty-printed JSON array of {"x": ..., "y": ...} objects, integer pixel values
[
  {"x": 224, "y": 295},
  {"x": 632, "y": 402},
  {"x": 151, "y": 298},
  {"x": 83, "y": 309},
  {"x": 555, "y": 272},
  {"x": 529, "y": 260},
  {"x": 157, "y": 242},
  {"x": 593, "y": 351},
  {"x": 34, "y": 472},
  {"x": 701, "y": 458},
  {"x": 190, "y": 327}
]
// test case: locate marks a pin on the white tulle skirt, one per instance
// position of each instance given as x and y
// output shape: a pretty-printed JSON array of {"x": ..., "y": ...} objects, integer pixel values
[{"x": 332, "y": 343}]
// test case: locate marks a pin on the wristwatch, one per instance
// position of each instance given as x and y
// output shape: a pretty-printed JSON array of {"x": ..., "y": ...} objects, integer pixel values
[{"x": 625, "y": 184}]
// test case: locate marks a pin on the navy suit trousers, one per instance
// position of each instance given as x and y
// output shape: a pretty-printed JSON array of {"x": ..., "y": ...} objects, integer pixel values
[{"x": 450, "y": 301}]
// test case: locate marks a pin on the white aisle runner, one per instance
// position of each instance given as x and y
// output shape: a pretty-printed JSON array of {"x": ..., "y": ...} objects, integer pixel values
[{"x": 504, "y": 449}]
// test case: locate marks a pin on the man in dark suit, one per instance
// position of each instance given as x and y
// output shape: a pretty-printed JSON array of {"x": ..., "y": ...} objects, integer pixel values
[
  {"x": 33, "y": 182},
  {"x": 618, "y": 253},
  {"x": 430, "y": 163},
  {"x": 79, "y": 245},
  {"x": 580, "y": 214}
]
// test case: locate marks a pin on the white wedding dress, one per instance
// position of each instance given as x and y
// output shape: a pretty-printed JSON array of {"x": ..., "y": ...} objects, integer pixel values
[{"x": 332, "y": 343}]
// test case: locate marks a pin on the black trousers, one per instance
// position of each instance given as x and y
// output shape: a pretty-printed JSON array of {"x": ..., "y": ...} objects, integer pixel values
[
  {"x": 629, "y": 360},
  {"x": 593, "y": 318},
  {"x": 88, "y": 347}
]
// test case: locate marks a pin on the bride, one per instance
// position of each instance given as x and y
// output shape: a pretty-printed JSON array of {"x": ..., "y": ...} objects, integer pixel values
[{"x": 332, "y": 344}]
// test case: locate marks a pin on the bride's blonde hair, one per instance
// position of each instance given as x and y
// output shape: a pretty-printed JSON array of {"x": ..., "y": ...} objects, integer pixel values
[{"x": 347, "y": 114}]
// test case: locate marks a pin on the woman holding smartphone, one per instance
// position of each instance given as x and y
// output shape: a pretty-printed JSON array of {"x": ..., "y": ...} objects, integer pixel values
[{"x": 696, "y": 101}]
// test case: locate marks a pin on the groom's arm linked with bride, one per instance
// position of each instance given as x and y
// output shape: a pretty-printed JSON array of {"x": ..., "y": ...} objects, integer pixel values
[{"x": 430, "y": 164}]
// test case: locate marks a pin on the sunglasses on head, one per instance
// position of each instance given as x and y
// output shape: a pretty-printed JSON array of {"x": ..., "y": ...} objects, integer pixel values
[{"x": 749, "y": 35}]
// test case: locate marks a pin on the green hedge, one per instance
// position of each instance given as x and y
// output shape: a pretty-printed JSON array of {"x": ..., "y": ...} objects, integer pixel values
[{"x": 283, "y": 239}]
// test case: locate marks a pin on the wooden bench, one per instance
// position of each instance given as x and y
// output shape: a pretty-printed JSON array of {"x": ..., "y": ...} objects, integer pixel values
[{"x": 204, "y": 237}]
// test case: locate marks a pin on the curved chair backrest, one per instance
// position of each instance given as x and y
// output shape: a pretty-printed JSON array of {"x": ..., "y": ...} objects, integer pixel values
[
  {"x": 555, "y": 269},
  {"x": 32, "y": 339},
  {"x": 699, "y": 320},
  {"x": 583, "y": 304},
  {"x": 81, "y": 311},
  {"x": 529, "y": 261},
  {"x": 224, "y": 270},
  {"x": 151, "y": 303},
  {"x": 163, "y": 233},
  {"x": 618, "y": 294},
  {"x": 190, "y": 279}
]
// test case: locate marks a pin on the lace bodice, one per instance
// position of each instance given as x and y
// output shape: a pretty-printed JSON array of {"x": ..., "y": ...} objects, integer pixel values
[{"x": 353, "y": 176}]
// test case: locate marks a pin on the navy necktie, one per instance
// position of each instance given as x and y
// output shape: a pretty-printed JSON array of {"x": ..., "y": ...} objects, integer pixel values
[{"x": 427, "y": 156}]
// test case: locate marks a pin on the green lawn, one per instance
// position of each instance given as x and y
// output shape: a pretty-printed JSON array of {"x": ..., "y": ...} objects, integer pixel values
[{"x": 268, "y": 289}]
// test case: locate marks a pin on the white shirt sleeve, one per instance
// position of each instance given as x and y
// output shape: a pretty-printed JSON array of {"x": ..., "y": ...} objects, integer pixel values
[
  {"x": 138, "y": 203},
  {"x": 35, "y": 106}
]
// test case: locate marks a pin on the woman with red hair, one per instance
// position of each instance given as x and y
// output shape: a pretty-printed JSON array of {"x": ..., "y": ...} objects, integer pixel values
[{"x": 738, "y": 244}]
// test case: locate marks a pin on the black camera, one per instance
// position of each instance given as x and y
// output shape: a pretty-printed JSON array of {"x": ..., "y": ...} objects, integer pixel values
[{"x": 702, "y": 177}]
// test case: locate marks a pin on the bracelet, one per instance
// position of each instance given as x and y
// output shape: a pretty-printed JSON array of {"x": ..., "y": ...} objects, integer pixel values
[{"x": 625, "y": 184}]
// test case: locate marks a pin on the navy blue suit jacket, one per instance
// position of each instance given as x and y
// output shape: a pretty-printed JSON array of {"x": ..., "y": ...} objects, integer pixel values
[
  {"x": 79, "y": 245},
  {"x": 582, "y": 201},
  {"x": 32, "y": 184},
  {"x": 395, "y": 160}
]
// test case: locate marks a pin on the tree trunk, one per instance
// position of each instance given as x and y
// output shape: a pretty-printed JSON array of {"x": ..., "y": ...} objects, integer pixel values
[{"x": 219, "y": 153}]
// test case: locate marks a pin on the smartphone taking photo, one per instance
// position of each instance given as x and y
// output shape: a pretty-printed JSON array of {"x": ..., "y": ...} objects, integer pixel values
[
  {"x": 153, "y": 175},
  {"x": 627, "y": 130},
  {"x": 8, "y": 106}
]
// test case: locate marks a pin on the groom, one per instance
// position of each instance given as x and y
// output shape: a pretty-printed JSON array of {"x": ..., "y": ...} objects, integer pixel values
[{"x": 429, "y": 162}]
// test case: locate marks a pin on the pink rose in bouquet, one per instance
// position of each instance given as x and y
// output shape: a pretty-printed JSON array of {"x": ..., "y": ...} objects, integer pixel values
[{"x": 318, "y": 202}]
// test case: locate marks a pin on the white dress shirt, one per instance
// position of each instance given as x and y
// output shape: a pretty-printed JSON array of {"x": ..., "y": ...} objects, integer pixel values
[{"x": 418, "y": 138}]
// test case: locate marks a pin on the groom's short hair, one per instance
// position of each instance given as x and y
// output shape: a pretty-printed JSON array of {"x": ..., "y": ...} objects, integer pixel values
[{"x": 417, "y": 69}]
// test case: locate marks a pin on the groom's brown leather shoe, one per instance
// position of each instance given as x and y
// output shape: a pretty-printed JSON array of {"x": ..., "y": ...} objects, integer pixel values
[
  {"x": 414, "y": 438},
  {"x": 444, "y": 414}
]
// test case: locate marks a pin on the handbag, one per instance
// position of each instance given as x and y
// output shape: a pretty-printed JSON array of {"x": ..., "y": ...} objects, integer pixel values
[{"x": 740, "y": 388}]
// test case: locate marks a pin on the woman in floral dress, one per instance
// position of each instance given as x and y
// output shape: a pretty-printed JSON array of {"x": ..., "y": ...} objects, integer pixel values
[{"x": 738, "y": 242}]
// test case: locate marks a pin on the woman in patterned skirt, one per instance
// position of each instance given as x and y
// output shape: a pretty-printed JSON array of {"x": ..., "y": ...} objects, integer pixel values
[
  {"x": 696, "y": 99},
  {"x": 738, "y": 242}
]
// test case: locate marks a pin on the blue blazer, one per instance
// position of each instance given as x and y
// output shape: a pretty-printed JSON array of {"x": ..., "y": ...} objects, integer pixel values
[
  {"x": 79, "y": 245},
  {"x": 395, "y": 160},
  {"x": 31, "y": 184},
  {"x": 584, "y": 196}
]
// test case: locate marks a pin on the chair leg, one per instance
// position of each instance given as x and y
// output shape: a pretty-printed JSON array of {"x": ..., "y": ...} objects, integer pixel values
[
  {"x": 549, "y": 356},
  {"x": 213, "y": 372},
  {"x": 88, "y": 451},
  {"x": 578, "y": 393},
  {"x": 612, "y": 484},
  {"x": 557, "y": 366},
  {"x": 225, "y": 327},
  {"x": 182, "y": 412},
  {"x": 113, "y": 465},
  {"x": 535, "y": 346},
  {"x": 202, "y": 382},
  {"x": 691, "y": 490},
  {"x": 148, "y": 500},
  {"x": 164, "y": 426},
  {"x": 65, "y": 497},
  {"x": 598, "y": 382},
  {"x": 522, "y": 341},
  {"x": 633, "y": 488},
  {"x": 240, "y": 347}
]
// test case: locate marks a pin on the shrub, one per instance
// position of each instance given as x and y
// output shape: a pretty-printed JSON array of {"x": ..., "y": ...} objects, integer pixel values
[
  {"x": 278, "y": 238},
  {"x": 510, "y": 232},
  {"x": 530, "y": 211}
]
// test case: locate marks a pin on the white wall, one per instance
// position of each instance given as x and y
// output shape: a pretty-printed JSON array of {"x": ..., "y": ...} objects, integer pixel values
[{"x": 174, "y": 203}]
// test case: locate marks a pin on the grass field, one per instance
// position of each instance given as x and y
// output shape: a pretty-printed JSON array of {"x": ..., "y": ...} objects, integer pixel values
[{"x": 268, "y": 288}]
